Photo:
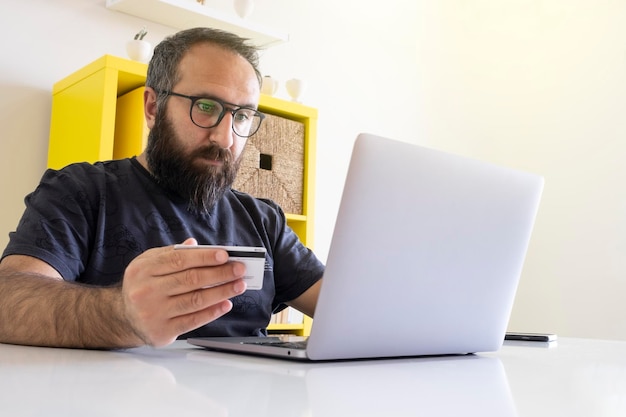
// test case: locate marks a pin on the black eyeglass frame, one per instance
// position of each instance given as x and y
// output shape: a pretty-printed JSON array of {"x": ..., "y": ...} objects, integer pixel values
[{"x": 232, "y": 108}]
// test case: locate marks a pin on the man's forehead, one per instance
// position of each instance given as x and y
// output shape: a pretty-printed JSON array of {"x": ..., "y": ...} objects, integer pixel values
[
  {"x": 209, "y": 56},
  {"x": 207, "y": 69}
]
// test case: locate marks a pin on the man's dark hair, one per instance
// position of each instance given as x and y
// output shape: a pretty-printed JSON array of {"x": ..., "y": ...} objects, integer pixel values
[{"x": 163, "y": 67}]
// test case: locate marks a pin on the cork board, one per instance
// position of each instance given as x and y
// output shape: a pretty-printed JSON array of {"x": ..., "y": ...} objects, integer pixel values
[{"x": 272, "y": 164}]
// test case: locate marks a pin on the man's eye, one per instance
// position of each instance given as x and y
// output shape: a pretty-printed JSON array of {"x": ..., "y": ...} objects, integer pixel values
[
  {"x": 209, "y": 107},
  {"x": 242, "y": 116}
]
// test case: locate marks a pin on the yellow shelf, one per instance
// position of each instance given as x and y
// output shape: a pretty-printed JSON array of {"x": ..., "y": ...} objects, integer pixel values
[
  {"x": 296, "y": 217},
  {"x": 132, "y": 74},
  {"x": 284, "y": 326},
  {"x": 301, "y": 329},
  {"x": 84, "y": 106}
]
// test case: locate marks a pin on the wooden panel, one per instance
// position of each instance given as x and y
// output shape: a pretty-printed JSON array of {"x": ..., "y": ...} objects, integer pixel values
[{"x": 273, "y": 163}]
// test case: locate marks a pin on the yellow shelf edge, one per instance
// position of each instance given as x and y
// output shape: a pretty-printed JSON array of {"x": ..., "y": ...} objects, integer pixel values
[
  {"x": 285, "y": 326},
  {"x": 106, "y": 61},
  {"x": 296, "y": 217},
  {"x": 285, "y": 108}
]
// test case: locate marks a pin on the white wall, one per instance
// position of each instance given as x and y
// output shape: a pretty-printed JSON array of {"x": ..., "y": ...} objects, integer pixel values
[{"x": 533, "y": 84}]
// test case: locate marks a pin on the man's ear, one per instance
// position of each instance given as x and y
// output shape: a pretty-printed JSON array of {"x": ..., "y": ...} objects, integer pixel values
[{"x": 150, "y": 106}]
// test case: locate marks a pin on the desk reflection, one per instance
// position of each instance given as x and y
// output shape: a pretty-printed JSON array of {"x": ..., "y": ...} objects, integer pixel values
[
  {"x": 74, "y": 382},
  {"x": 195, "y": 382},
  {"x": 438, "y": 386},
  {"x": 577, "y": 377}
]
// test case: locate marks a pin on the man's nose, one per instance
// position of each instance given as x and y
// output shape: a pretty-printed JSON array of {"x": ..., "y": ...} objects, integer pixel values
[{"x": 222, "y": 134}]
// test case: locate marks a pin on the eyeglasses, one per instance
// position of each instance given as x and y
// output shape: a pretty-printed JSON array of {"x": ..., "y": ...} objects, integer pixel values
[{"x": 208, "y": 112}]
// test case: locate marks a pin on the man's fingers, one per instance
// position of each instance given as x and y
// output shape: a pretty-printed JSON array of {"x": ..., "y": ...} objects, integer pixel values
[
  {"x": 201, "y": 299},
  {"x": 197, "y": 278},
  {"x": 195, "y": 309},
  {"x": 164, "y": 261},
  {"x": 181, "y": 271},
  {"x": 183, "y": 324},
  {"x": 192, "y": 321}
]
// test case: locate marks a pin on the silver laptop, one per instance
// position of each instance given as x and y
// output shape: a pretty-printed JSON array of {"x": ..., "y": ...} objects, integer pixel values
[{"x": 425, "y": 258}]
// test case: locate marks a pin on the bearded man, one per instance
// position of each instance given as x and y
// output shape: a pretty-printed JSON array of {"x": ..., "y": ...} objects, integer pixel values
[{"x": 92, "y": 263}]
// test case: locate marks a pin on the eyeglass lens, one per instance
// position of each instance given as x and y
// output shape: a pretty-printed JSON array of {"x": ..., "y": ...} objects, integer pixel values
[{"x": 208, "y": 113}]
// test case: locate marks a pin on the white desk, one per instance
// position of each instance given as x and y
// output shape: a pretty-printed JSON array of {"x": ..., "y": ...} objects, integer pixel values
[{"x": 574, "y": 378}]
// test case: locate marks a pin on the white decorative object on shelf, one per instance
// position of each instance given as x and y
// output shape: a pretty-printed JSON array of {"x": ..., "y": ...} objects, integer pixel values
[
  {"x": 243, "y": 7},
  {"x": 185, "y": 14},
  {"x": 139, "y": 50},
  {"x": 269, "y": 85},
  {"x": 295, "y": 88}
]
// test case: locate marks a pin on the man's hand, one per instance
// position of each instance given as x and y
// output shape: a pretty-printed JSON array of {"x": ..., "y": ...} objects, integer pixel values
[
  {"x": 164, "y": 293},
  {"x": 169, "y": 292}
]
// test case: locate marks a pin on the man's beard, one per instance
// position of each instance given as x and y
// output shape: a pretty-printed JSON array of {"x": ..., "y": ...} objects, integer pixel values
[{"x": 202, "y": 185}]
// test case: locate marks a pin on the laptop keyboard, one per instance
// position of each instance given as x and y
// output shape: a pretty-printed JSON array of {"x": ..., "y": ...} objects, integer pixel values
[{"x": 297, "y": 344}]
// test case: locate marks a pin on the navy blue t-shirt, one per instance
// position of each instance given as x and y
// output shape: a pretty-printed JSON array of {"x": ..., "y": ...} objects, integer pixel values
[{"x": 88, "y": 221}]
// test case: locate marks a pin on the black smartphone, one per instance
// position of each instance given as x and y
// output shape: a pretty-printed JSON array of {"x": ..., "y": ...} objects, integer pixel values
[{"x": 530, "y": 337}]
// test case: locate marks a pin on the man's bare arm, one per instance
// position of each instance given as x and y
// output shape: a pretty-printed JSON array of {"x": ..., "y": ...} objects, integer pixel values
[
  {"x": 164, "y": 293},
  {"x": 307, "y": 302},
  {"x": 39, "y": 308}
]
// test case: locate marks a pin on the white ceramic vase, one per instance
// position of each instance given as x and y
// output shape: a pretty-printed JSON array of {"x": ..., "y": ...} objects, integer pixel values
[
  {"x": 295, "y": 88},
  {"x": 139, "y": 50},
  {"x": 243, "y": 8},
  {"x": 269, "y": 85}
]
